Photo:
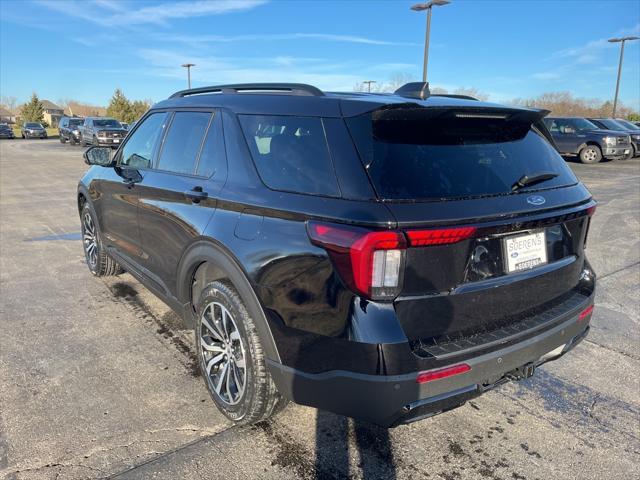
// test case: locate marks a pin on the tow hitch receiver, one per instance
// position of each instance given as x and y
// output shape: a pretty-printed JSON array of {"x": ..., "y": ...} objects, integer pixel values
[{"x": 522, "y": 372}]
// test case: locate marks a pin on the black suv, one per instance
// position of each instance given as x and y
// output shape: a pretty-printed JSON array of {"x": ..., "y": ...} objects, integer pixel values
[
  {"x": 69, "y": 129},
  {"x": 578, "y": 136},
  {"x": 385, "y": 257},
  {"x": 101, "y": 131}
]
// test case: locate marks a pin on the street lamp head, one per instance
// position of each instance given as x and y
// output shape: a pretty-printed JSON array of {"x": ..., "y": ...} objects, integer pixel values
[
  {"x": 418, "y": 7},
  {"x": 188, "y": 65},
  {"x": 623, "y": 39}
]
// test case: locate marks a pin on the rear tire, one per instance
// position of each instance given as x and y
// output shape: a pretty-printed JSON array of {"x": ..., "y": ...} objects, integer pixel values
[
  {"x": 590, "y": 154},
  {"x": 100, "y": 264},
  {"x": 227, "y": 339}
]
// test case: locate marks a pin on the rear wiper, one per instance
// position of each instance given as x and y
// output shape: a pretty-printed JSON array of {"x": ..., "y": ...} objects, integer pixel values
[{"x": 532, "y": 179}]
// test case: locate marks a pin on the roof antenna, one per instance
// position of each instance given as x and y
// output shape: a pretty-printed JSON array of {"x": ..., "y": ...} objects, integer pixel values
[{"x": 419, "y": 90}]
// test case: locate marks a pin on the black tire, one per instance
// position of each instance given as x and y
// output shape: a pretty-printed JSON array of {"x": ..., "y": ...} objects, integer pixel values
[
  {"x": 62, "y": 140},
  {"x": 590, "y": 154},
  {"x": 81, "y": 140},
  {"x": 100, "y": 264},
  {"x": 95, "y": 141},
  {"x": 72, "y": 140},
  {"x": 259, "y": 399}
]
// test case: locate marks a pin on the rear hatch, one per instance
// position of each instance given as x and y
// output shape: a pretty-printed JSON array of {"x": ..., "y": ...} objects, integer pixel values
[{"x": 494, "y": 219}]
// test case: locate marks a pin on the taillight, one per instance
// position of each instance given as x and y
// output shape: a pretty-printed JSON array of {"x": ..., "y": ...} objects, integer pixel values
[
  {"x": 431, "y": 375},
  {"x": 585, "y": 313},
  {"x": 439, "y": 236},
  {"x": 370, "y": 262}
]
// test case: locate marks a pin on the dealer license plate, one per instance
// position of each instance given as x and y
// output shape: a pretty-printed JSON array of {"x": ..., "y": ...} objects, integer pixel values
[{"x": 525, "y": 251}]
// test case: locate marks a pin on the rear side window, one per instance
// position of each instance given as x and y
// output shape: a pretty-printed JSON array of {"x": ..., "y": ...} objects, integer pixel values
[
  {"x": 183, "y": 142},
  {"x": 432, "y": 154},
  {"x": 140, "y": 146},
  {"x": 291, "y": 153},
  {"x": 213, "y": 158}
]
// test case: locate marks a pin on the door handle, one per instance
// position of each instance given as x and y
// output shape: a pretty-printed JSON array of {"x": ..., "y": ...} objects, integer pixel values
[{"x": 196, "y": 194}]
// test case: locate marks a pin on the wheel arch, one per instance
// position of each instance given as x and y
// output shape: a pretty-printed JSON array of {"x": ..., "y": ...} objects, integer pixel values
[{"x": 206, "y": 261}]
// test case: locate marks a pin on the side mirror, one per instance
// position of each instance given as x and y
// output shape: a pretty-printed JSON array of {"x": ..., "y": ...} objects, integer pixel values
[{"x": 98, "y": 156}]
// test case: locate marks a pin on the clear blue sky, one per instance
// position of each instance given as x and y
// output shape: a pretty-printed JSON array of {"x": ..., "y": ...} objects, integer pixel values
[{"x": 84, "y": 50}]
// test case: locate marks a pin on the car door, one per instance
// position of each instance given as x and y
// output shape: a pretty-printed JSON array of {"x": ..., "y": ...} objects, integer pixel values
[
  {"x": 178, "y": 197},
  {"x": 118, "y": 202},
  {"x": 566, "y": 135}
]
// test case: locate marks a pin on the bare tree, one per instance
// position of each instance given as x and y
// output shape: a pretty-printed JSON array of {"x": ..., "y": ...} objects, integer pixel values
[
  {"x": 9, "y": 102},
  {"x": 564, "y": 103}
]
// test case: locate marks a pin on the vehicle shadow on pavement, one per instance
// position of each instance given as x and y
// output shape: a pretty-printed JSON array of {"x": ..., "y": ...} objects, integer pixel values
[{"x": 337, "y": 436}]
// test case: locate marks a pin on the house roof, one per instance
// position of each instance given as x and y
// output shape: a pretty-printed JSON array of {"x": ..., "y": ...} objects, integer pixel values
[{"x": 50, "y": 105}]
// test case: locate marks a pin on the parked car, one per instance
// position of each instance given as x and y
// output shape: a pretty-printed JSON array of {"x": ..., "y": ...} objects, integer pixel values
[
  {"x": 632, "y": 127},
  {"x": 101, "y": 131},
  {"x": 578, "y": 136},
  {"x": 6, "y": 131},
  {"x": 33, "y": 130},
  {"x": 618, "y": 126},
  {"x": 384, "y": 257},
  {"x": 125, "y": 125},
  {"x": 69, "y": 129}
]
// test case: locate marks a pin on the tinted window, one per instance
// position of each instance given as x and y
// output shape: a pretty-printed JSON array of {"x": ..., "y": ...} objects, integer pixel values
[
  {"x": 183, "y": 142},
  {"x": 107, "y": 122},
  {"x": 610, "y": 124},
  {"x": 419, "y": 155},
  {"x": 291, "y": 153},
  {"x": 213, "y": 157},
  {"x": 63, "y": 122},
  {"x": 33, "y": 125},
  {"x": 138, "y": 151},
  {"x": 74, "y": 122}
]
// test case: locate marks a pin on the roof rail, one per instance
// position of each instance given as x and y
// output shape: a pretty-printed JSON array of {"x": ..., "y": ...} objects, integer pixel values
[
  {"x": 419, "y": 90},
  {"x": 290, "y": 88}
]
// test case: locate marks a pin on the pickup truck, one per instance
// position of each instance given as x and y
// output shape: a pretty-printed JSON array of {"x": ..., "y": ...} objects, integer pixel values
[
  {"x": 101, "y": 131},
  {"x": 578, "y": 136}
]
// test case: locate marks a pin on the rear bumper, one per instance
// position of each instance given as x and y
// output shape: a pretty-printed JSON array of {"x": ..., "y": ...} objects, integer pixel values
[{"x": 390, "y": 400}]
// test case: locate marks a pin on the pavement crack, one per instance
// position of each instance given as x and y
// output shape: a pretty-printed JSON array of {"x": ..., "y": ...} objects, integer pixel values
[
  {"x": 629, "y": 355},
  {"x": 621, "y": 269}
]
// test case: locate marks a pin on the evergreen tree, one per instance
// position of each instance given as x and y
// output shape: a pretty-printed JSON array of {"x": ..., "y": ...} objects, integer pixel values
[
  {"x": 33, "y": 111},
  {"x": 138, "y": 108},
  {"x": 119, "y": 106}
]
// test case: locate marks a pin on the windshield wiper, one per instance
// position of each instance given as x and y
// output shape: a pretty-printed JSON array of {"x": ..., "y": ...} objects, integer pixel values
[{"x": 532, "y": 179}]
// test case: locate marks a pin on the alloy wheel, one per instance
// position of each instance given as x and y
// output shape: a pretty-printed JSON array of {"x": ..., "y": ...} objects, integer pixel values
[
  {"x": 89, "y": 240},
  {"x": 223, "y": 353}
]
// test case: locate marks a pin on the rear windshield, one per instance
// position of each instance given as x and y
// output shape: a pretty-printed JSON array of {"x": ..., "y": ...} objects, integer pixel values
[
  {"x": 413, "y": 154},
  {"x": 107, "y": 123}
]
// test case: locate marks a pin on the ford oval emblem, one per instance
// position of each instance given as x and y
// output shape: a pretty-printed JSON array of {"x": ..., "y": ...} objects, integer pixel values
[{"x": 536, "y": 200}]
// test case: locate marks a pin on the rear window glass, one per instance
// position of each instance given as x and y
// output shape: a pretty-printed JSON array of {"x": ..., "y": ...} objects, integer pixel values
[
  {"x": 291, "y": 153},
  {"x": 422, "y": 154}
]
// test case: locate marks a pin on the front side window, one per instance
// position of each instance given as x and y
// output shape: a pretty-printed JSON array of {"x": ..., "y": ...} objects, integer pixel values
[
  {"x": 140, "y": 146},
  {"x": 291, "y": 153},
  {"x": 183, "y": 142}
]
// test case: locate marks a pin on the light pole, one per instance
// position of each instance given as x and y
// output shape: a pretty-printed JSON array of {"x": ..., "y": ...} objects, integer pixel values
[
  {"x": 369, "y": 82},
  {"x": 621, "y": 41},
  {"x": 418, "y": 7},
  {"x": 188, "y": 67}
]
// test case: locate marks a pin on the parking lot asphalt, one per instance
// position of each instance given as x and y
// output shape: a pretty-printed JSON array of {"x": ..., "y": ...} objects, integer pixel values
[{"x": 98, "y": 380}]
